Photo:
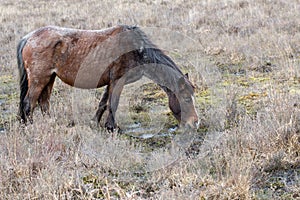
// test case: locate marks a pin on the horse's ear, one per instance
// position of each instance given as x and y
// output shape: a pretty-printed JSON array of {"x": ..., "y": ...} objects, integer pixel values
[
  {"x": 181, "y": 83},
  {"x": 187, "y": 75}
]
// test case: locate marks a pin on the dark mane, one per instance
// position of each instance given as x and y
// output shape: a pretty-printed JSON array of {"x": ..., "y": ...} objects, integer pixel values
[{"x": 150, "y": 52}]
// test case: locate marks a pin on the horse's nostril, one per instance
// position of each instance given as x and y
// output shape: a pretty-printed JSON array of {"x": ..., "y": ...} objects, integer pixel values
[{"x": 196, "y": 123}]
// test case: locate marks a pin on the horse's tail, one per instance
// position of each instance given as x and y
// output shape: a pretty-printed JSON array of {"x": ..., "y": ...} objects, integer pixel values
[{"x": 23, "y": 78}]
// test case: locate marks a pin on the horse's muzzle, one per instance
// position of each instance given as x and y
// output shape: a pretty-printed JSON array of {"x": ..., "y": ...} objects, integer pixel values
[{"x": 192, "y": 124}]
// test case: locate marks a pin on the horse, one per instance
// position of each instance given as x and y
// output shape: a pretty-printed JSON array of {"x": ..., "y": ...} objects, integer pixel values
[{"x": 88, "y": 59}]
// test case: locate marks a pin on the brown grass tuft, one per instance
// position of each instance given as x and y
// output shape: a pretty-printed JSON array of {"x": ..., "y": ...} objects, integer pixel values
[{"x": 244, "y": 59}]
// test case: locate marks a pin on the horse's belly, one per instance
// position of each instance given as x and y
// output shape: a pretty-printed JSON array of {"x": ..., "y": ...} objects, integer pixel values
[{"x": 84, "y": 77}]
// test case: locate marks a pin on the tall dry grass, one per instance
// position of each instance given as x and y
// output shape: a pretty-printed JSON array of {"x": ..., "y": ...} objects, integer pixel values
[{"x": 247, "y": 76}]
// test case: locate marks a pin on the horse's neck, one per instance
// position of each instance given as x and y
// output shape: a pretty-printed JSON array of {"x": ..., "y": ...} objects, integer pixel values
[{"x": 167, "y": 90}]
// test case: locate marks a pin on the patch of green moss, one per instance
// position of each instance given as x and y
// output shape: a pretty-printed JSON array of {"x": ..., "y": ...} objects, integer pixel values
[
  {"x": 259, "y": 79},
  {"x": 249, "y": 101},
  {"x": 8, "y": 96},
  {"x": 151, "y": 93},
  {"x": 171, "y": 120},
  {"x": 240, "y": 81},
  {"x": 6, "y": 79},
  {"x": 97, "y": 183},
  {"x": 8, "y": 93},
  {"x": 153, "y": 143},
  {"x": 95, "y": 180},
  {"x": 243, "y": 81},
  {"x": 204, "y": 97},
  {"x": 142, "y": 117},
  {"x": 275, "y": 185},
  {"x": 294, "y": 86}
]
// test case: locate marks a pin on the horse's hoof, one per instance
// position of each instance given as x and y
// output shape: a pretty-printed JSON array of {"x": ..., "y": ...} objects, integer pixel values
[
  {"x": 113, "y": 129},
  {"x": 120, "y": 131},
  {"x": 110, "y": 127}
]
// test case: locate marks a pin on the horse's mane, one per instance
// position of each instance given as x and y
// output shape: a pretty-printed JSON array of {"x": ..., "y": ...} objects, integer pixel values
[{"x": 150, "y": 52}]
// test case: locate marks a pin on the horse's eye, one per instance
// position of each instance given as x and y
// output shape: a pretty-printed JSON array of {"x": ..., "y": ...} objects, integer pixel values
[{"x": 188, "y": 99}]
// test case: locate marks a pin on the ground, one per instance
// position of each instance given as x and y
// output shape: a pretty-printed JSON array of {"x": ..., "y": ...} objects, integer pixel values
[{"x": 244, "y": 59}]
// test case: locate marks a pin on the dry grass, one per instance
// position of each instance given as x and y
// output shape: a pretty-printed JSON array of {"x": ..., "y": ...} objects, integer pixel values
[{"x": 247, "y": 58}]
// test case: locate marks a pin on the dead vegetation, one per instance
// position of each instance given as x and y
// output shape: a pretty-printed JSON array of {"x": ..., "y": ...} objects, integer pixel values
[{"x": 245, "y": 60}]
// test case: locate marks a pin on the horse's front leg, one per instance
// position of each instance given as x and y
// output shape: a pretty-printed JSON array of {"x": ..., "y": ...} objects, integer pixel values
[
  {"x": 102, "y": 105},
  {"x": 115, "y": 90}
]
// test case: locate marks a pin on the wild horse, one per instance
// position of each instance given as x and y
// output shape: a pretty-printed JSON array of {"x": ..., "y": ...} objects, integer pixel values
[{"x": 89, "y": 59}]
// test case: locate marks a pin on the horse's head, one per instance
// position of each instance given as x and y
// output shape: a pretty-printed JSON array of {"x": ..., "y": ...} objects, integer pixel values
[{"x": 183, "y": 104}]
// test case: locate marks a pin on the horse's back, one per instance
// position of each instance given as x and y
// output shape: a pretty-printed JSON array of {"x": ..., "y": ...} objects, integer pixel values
[{"x": 64, "y": 51}]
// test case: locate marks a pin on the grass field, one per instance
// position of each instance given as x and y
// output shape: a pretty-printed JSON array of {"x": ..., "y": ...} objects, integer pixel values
[{"x": 244, "y": 58}]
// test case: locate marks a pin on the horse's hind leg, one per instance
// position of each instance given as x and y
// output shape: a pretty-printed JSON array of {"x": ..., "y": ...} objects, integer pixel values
[
  {"x": 102, "y": 105},
  {"x": 35, "y": 88},
  {"x": 44, "y": 97}
]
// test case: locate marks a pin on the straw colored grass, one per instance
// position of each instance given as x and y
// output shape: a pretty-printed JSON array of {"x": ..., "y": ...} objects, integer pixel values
[{"x": 244, "y": 59}]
